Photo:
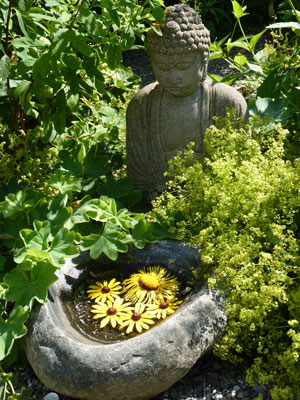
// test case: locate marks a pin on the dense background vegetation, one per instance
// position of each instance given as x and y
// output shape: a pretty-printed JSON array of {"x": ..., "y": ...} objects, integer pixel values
[{"x": 63, "y": 184}]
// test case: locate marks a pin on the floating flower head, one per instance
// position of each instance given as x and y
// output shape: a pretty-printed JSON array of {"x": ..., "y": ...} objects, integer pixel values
[
  {"x": 103, "y": 291},
  {"x": 161, "y": 307},
  {"x": 146, "y": 285},
  {"x": 138, "y": 319},
  {"x": 113, "y": 313}
]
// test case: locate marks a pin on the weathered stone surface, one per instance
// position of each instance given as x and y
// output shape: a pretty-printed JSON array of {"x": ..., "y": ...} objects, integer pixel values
[
  {"x": 134, "y": 369},
  {"x": 163, "y": 117}
]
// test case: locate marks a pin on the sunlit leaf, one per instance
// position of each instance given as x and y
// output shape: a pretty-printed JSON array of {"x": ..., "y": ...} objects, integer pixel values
[
  {"x": 111, "y": 242},
  {"x": 64, "y": 182},
  {"x": 26, "y": 286},
  {"x": 12, "y": 329},
  {"x": 4, "y": 68},
  {"x": 114, "y": 55},
  {"x": 15, "y": 203},
  {"x": 238, "y": 10}
]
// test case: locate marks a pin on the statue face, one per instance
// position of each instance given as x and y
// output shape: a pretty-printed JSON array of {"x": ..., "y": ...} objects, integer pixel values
[{"x": 179, "y": 74}]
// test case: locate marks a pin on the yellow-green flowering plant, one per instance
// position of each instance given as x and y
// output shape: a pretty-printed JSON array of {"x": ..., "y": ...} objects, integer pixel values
[{"x": 241, "y": 207}]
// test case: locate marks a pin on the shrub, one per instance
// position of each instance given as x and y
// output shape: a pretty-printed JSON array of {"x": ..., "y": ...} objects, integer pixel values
[{"x": 240, "y": 207}]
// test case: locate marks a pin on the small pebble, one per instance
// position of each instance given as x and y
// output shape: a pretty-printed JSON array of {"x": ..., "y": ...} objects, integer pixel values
[{"x": 51, "y": 396}]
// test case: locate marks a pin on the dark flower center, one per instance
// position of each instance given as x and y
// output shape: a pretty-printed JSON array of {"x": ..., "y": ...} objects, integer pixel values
[
  {"x": 111, "y": 311},
  {"x": 105, "y": 289},
  {"x": 163, "y": 305},
  {"x": 136, "y": 316}
]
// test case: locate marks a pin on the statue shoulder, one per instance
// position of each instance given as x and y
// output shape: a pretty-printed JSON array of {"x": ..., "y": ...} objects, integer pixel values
[
  {"x": 227, "y": 96},
  {"x": 143, "y": 94}
]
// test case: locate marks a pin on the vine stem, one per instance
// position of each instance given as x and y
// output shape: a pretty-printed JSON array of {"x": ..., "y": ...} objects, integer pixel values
[
  {"x": 75, "y": 16},
  {"x": 294, "y": 10}
]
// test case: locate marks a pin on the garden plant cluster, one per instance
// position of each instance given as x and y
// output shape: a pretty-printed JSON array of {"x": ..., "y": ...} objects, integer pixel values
[{"x": 63, "y": 183}]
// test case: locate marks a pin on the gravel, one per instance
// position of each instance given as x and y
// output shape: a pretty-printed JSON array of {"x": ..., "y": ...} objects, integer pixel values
[{"x": 209, "y": 379}]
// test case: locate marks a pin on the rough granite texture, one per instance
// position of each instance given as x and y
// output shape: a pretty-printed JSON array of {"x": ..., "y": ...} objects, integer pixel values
[
  {"x": 163, "y": 117},
  {"x": 134, "y": 369}
]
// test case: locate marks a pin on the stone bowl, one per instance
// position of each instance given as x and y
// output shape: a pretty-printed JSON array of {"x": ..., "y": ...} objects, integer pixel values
[{"x": 141, "y": 367}]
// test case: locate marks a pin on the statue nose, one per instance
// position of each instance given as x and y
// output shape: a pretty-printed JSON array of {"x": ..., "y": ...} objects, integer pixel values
[{"x": 174, "y": 77}]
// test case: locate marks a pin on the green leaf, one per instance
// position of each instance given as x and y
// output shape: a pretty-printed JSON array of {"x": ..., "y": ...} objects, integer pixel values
[
  {"x": 215, "y": 54},
  {"x": 272, "y": 85},
  {"x": 142, "y": 233},
  {"x": 63, "y": 246},
  {"x": 73, "y": 101},
  {"x": 238, "y": 10},
  {"x": 34, "y": 239},
  {"x": 113, "y": 13},
  {"x": 12, "y": 329},
  {"x": 157, "y": 11},
  {"x": 15, "y": 203},
  {"x": 26, "y": 286},
  {"x": 278, "y": 110},
  {"x": 110, "y": 242},
  {"x": 71, "y": 61},
  {"x": 60, "y": 41},
  {"x": 95, "y": 165},
  {"x": 81, "y": 153},
  {"x": 238, "y": 43},
  {"x": 127, "y": 39},
  {"x": 70, "y": 162},
  {"x": 240, "y": 60},
  {"x": 2, "y": 262},
  {"x": 256, "y": 68},
  {"x": 41, "y": 67},
  {"x": 4, "y": 68},
  {"x": 59, "y": 117},
  {"x": 41, "y": 238},
  {"x": 105, "y": 209},
  {"x": 156, "y": 30},
  {"x": 255, "y": 39},
  {"x": 114, "y": 55},
  {"x": 64, "y": 182},
  {"x": 79, "y": 41},
  {"x": 27, "y": 25},
  {"x": 79, "y": 214},
  {"x": 292, "y": 25}
]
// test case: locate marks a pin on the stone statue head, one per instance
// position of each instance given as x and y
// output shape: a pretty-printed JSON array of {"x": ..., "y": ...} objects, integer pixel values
[{"x": 184, "y": 37}]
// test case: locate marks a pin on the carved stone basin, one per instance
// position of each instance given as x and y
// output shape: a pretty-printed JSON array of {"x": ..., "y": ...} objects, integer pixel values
[{"x": 138, "y": 368}]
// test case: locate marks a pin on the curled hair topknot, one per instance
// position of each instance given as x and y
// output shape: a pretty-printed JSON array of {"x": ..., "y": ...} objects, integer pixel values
[{"x": 182, "y": 32}]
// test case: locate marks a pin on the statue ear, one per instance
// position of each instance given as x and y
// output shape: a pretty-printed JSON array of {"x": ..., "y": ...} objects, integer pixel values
[{"x": 203, "y": 65}]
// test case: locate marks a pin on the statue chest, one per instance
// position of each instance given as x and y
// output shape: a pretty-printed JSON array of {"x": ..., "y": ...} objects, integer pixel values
[{"x": 180, "y": 125}]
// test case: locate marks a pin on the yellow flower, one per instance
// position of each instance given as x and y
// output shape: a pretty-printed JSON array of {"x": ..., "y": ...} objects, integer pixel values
[
  {"x": 112, "y": 313},
  {"x": 161, "y": 307},
  {"x": 102, "y": 292},
  {"x": 138, "y": 319},
  {"x": 146, "y": 285}
]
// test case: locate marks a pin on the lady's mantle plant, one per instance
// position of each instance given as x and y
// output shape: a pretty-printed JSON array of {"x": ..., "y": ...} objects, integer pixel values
[{"x": 241, "y": 206}]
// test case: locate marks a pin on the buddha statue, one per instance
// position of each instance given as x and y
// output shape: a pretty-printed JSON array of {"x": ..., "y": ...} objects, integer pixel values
[{"x": 163, "y": 117}]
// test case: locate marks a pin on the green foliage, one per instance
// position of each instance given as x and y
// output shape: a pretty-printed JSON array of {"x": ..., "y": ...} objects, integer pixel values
[
  {"x": 63, "y": 186},
  {"x": 240, "y": 207},
  {"x": 24, "y": 158},
  {"x": 217, "y": 14},
  {"x": 270, "y": 76},
  {"x": 37, "y": 234},
  {"x": 58, "y": 58}
]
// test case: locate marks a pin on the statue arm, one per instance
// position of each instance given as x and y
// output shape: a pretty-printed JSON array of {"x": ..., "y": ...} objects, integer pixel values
[
  {"x": 227, "y": 97},
  {"x": 137, "y": 138}
]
